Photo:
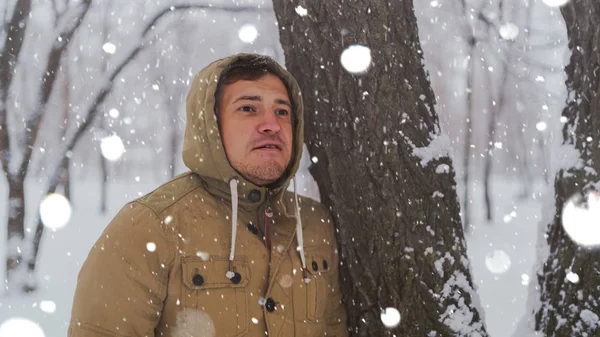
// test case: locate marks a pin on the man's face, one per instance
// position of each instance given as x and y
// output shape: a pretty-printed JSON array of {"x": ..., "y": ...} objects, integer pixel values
[{"x": 255, "y": 118}]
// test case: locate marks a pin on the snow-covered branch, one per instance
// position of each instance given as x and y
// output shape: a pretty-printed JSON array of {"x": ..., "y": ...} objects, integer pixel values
[
  {"x": 103, "y": 89},
  {"x": 32, "y": 124},
  {"x": 106, "y": 83}
]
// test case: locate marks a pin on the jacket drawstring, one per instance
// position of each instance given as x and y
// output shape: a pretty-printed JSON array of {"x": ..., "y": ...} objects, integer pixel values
[
  {"x": 233, "y": 184},
  {"x": 299, "y": 234}
]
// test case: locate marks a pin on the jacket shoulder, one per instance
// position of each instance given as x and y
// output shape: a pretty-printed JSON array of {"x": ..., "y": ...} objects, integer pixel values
[{"x": 171, "y": 192}]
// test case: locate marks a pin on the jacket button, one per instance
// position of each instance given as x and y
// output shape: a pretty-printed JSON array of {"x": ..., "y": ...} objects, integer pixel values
[
  {"x": 315, "y": 266},
  {"x": 254, "y": 196},
  {"x": 325, "y": 265},
  {"x": 252, "y": 228},
  {"x": 198, "y": 280},
  {"x": 236, "y": 278},
  {"x": 270, "y": 305}
]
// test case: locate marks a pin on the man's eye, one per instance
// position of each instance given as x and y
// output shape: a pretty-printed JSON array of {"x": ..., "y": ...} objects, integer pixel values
[
  {"x": 247, "y": 108},
  {"x": 282, "y": 112}
]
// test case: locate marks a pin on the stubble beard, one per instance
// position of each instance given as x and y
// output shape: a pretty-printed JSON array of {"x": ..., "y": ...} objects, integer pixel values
[{"x": 264, "y": 173}]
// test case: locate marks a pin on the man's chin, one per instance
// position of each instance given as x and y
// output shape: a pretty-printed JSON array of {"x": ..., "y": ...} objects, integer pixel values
[{"x": 262, "y": 178}]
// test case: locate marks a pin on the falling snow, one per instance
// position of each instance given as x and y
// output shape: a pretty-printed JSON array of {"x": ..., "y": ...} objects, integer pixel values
[{"x": 127, "y": 150}]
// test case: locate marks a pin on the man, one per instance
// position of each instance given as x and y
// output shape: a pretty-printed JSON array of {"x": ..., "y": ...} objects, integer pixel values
[{"x": 223, "y": 250}]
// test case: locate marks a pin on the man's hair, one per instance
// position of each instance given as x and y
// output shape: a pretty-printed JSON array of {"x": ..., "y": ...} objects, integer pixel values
[{"x": 249, "y": 68}]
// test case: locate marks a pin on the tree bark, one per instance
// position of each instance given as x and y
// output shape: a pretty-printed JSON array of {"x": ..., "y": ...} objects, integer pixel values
[
  {"x": 572, "y": 308},
  {"x": 15, "y": 251},
  {"x": 468, "y": 134},
  {"x": 66, "y": 178},
  {"x": 397, "y": 215},
  {"x": 495, "y": 111},
  {"x": 12, "y": 47}
]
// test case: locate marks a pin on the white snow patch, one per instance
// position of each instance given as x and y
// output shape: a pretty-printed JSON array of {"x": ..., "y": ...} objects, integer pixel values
[
  {"x": 442, "y": 168},
  {"x": 580, "y": 219},
  {"x": 301, "y": 11},
  {"x": 439, "y": 263},
  {"x": 459, "y": 317},
  {"x": 439, "y": 146},
  {"x": 590, "y": 318}
]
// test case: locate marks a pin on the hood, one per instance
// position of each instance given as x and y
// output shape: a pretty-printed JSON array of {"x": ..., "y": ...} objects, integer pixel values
[{"x": 203, "y": 151}]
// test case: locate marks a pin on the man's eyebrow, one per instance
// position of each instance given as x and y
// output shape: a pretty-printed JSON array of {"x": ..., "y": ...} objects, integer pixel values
[
  {"x": 259, "y": 99},
  {"x": 283, "y": 102},
  {"x": 248, "y": 98}
]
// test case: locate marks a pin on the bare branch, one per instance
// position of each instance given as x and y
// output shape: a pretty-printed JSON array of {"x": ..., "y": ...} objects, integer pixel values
[
  {"x": 14, "y": 42},
  {"x": 32, "y": 125},
  {"x": 501, "y": 10},
  {"x": 544, "y": 46},
  {"x": 55, "y": 11},
  {"x": 9, "y": 54},
  {"x": 516, "y": 55},
  {"x": 106, "y": 86}
]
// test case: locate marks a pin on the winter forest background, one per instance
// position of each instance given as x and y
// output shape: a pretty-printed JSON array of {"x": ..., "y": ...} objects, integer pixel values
[{"x": 98, "y": 88}]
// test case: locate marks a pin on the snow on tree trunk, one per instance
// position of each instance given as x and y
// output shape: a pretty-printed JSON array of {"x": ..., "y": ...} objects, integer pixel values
[
  {"x": 570, "y": 277},
  {"x": 383, "y": 167}
]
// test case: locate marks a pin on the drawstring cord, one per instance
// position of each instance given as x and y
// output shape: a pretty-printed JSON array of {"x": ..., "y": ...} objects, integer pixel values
[
  {"x": 299, "y": 234},
  {"x": 233, "y": 184}
]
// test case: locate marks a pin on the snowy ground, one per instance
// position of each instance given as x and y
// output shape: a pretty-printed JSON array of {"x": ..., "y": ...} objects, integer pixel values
[{"x": 501, "y": 254}]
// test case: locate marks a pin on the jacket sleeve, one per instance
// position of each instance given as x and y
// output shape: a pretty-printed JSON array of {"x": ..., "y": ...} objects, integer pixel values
[
  {"x": 337, "y": 319},
  {"x": 122, "y": 283}
]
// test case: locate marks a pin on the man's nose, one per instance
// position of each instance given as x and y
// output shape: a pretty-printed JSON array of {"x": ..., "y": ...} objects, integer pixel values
[{"x": 269, "y": 123}]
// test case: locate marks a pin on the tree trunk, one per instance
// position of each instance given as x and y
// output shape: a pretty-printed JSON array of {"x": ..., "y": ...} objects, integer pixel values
[
  {"x": 487, "y": 169},
  {"x": 16, "y": 249},
  {"x": 397, "y": 215},
  {"x": 572, "y": 308},
  {"x": 468, "y": 134},
  {"x": 103, "y": 184},
  {"x": 495, "y": 111},
  {"x": 66, "y": 178}
]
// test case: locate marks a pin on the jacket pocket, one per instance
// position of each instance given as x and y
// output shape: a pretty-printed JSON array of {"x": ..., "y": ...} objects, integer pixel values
[
  {"x": 318, "y": 264},
  {"x": 219, "y": 304}
]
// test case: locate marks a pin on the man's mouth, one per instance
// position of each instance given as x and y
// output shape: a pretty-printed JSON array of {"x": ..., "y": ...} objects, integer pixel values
[{"x": 268, "y": 146}]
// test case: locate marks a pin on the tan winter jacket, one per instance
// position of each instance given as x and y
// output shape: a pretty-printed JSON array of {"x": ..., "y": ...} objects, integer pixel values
[{"x": 185, "y": 260}]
